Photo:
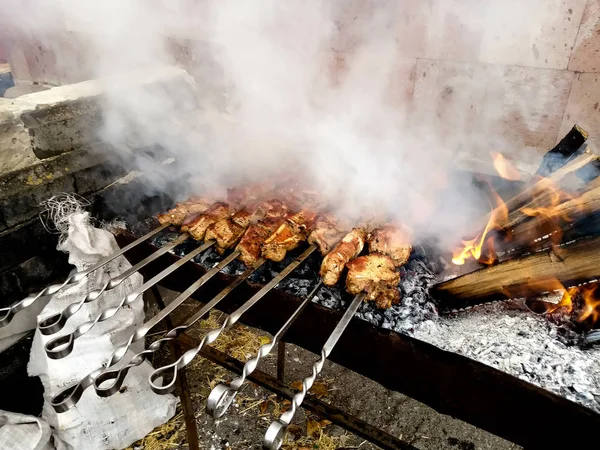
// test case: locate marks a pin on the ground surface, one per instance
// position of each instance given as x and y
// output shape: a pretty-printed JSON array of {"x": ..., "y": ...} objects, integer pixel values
[{"x": 244, "y": 424}]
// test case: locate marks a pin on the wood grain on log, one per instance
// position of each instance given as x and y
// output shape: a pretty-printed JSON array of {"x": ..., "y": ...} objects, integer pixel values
[{"x": 524, "y": 276}]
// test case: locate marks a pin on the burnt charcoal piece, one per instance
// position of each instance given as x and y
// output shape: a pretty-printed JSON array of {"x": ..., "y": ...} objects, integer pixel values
[{"x": 567, "y": 149}]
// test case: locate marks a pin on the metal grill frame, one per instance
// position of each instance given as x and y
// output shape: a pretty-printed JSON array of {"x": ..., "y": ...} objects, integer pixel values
[{"x": 447, "y": 382}]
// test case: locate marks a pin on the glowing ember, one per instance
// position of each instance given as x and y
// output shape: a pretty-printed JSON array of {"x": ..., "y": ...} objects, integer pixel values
[{"x": 505, "y": 168}]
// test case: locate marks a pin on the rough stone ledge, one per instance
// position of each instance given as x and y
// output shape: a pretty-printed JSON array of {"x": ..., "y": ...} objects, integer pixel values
[
  {"x": 82, "y": 171},
  {"x": 44, "y": 124}
]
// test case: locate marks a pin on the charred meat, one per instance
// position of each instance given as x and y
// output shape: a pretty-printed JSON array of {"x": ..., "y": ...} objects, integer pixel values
[
  {"x": 289, "y": 235},
  {"x": 216, "y": 212},
  {"x": 376, "y": 275},
  {"x": 393, "y": 241},
  {"x": 276, "y": 213},
  {"x": 227, "y": 232},
  {"x": 334, "y": 262},
  {"x": 251, "y": 243}
]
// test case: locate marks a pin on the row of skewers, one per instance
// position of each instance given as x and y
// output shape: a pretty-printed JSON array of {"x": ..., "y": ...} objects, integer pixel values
[{"x": 259, "y": 225}]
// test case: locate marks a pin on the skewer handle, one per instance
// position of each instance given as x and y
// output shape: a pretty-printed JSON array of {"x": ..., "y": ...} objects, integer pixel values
[
  {"x": 62, "y": 346},
  {"x": 275, "y": 434},
  {"x": 56, "y": 322},
  {"x": 223, "y": 395},
  {"x": 110, "y": 381},
  {"x": 212, "y": 335},
  {"x": 7, "y": 314}
]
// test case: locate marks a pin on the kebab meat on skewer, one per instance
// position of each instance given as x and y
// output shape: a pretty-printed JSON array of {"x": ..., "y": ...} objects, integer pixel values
[
  {"x": 288, "y": 236},
  {"x": 376, "y": 273},
  {"x": 228, "y": 231},
  {"x": 250, "y": 245},
  {"x": 347, "y": 249},
  {"x": 190, "y": 208},
  {"x": 327, "y": 233},
  {"x": 218, "y": 211}
]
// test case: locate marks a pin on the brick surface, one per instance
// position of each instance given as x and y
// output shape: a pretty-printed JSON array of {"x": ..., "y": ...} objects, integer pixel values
[
  {"x": 583, "y": 107},
  {"x": 586, "y": 53},
  {"x": 480, "y": 108}
]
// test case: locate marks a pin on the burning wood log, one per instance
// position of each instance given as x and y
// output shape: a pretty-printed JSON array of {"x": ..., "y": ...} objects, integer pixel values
[
  {"x": 539, "y": 187},
  {"x": 519, "y": 277},
  {"x": 585, "y": 205}
]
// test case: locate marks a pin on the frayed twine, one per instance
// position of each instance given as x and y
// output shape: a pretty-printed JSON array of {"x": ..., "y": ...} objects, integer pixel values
[{"x": 57, "y": 210}]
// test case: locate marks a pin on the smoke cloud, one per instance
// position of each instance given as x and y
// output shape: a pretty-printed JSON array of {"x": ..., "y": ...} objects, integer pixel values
[{"x": 312, "y": 86}]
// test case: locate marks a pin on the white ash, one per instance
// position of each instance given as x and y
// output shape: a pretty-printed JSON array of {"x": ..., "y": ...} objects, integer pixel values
[{"x": 514, "y": 340}]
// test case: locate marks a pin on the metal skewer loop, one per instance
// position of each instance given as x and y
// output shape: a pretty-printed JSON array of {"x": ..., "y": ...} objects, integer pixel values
[
  {"x": 223, "y": 395},
  {"x": 6, "y": 314},
  {"x": 62, "y": 346},
  {"x": 275, "y": 434},
  {"x": 212, "y": 335},
  {"x": 56, "y": 322}
]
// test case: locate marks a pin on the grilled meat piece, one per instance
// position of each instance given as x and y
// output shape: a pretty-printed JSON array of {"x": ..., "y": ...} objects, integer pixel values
[
  {"x": 177, "y": 215},
  {"x": 255, "y": 235},
  {"x": 376, "y": 275},
  {"x": 225, "y": 232},
  {"x": 334, "y": 262},
  {"x": 216, "y": 212},
  {"x": 276, "y": 213},
  {"x": 327, "y": 233},
  {"x": 250, "y": 215},
  {"x": 289, "y": 235},
  {"x": 393, "y": 241}
]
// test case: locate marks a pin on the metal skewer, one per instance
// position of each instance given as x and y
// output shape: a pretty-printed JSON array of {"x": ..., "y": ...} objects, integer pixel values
[
  {"x": 223, "y": 395},
  {"x": 118, "y": 375},
  {"x": 56, "y": 322},
  {"x": 212, "y": 335},
  {"x": 68, "y": 397},
  {"x": 276, "y": 432},
  {"x": 62, "y": 346},
  {"x": 6, "y": 314}
]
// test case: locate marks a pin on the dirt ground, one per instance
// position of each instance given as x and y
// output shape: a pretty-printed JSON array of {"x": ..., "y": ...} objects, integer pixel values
[{"x": 244, "y": 425}]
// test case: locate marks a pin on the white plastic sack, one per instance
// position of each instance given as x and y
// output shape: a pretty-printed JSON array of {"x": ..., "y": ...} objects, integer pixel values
[
  {"x": 97, "y": 423},
  {"x": 18, "y": 431}
]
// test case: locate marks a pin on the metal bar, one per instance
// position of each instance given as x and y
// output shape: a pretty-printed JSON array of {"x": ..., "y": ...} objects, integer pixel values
[
  {"x": 62, "y": 346},
  {"x": 281, "y": 361},
  {"x": 275, "y": 434},
  {"x": 6, "y": 314},
  {"x": 117, "y": 376},
  {"x": 57, "y": 321},
  {"x": 450, "y": 383},
  {"x": 191, "y": 427},
  {"x": 335, "y": 415},
  {"x": 222, "y": 395},
  {"x": 68, "y": 397},
  {"x": 212, "y": 335}
]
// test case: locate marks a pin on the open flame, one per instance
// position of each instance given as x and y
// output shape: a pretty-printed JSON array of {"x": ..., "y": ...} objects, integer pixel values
[
  {"x": 582, "y": 303},
  {"x": 505, "y": 168},
  {"x": 591, "y": 303},
  {"x": 473, "y": 248},
  {"x": 547, "y": 208}
]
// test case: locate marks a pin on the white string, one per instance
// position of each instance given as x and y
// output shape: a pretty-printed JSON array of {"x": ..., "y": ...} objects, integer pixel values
[{"x": 58, "y": 209}]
